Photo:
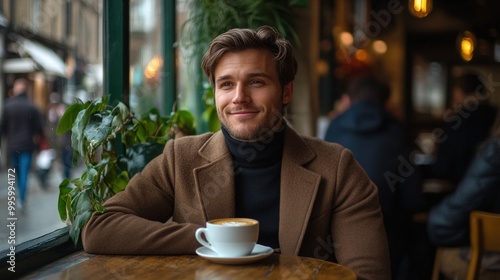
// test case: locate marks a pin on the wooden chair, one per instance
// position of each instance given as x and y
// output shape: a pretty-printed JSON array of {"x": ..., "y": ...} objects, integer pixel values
[
  {"x": 437, "y": 263},
  {"x": 484, "y": 236}
]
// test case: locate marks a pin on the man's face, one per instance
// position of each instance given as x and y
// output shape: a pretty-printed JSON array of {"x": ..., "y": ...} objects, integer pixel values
[
  {"x": 248, "y": 94},
  {"x": 19, "y": 87}
]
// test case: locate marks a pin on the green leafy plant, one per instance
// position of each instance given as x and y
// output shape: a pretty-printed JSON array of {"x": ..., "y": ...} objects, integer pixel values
[
  {"x": 210, "y": 113},
  {"x": 114, "y": 145},
  {"x": 209, "y": 18}
]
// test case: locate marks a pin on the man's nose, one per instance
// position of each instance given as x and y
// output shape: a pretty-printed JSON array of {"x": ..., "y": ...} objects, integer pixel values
[{"x": 241, "y": 94}]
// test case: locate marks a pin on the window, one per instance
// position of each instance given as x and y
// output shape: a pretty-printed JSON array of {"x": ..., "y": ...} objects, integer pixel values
[{"x": 37, "y": 235}]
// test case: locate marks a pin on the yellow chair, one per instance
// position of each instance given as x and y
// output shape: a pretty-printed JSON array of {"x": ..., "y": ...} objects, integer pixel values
[
  {"x": 484, "y": 236},
  {"x": 437, "y": 263}
]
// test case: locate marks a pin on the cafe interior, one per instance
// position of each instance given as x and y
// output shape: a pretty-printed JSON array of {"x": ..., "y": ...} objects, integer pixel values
[
  {"x": 419, "y": 47},
  {"x": 417, "y": 52}
]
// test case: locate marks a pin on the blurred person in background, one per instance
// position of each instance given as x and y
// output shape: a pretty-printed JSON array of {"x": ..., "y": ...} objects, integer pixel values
[
  {"x": 61, "y": 142},
  {"x": 22, "y": 126},
  {"x": 381, "y": 145},
  {"x": 467, "y": 124},
  {"x": 479, "y": 189}
]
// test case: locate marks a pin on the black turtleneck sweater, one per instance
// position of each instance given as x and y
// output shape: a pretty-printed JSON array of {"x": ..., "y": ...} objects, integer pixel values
[{"x": 257, "y": 171}]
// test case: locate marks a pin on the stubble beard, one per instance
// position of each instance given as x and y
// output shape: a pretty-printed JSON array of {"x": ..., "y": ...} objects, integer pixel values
[{"x": 258, "y": 132}]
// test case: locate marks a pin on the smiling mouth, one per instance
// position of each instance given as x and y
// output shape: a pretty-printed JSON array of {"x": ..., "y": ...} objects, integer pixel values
[{"x": 244, "y": 113}]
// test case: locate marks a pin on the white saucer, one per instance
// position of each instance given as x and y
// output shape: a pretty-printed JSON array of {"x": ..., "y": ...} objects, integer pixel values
[{"x": 259, "y": 252}]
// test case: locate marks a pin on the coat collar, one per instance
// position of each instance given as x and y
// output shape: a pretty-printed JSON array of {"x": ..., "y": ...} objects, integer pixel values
[
  {"x": 295, "y": 148},
  {"x": 215, "y": 184}
]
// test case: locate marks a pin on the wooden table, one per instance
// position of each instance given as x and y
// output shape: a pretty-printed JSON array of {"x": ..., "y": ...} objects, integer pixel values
[{"x": 86, "y": 266}]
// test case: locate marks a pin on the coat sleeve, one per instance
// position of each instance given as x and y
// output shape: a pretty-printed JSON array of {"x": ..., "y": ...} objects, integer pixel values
[
  {"x": 357, "y": 228},
  {"x": 138, "y": 220},
  {"x": 448, "y": 222}
]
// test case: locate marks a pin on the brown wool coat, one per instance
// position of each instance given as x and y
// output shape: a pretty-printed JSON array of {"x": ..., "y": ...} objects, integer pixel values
[{"x": 328, "y": 207}]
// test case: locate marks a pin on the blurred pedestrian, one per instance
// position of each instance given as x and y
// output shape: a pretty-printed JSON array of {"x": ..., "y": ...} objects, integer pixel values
[
  {"x": 62, "y": 142},
  {"x": 22, "y": 126},
  {"x": 44, "y": 158}
]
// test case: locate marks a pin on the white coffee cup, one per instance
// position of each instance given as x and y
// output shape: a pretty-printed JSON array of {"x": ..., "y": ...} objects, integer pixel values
[{"x": 229, "y": 237}]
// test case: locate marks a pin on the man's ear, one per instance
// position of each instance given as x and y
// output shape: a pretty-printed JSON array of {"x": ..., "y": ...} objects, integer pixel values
[{"x": 288, "y": 93}]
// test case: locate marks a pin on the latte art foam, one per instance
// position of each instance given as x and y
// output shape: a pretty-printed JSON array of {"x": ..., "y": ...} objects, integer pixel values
[
  {"x": 232, "y": 223},
  {"x": 237, "y": 222}
]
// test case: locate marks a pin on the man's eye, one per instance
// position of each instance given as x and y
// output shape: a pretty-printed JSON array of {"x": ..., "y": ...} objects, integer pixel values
[
  {"x": 257, "y": 82},
  {"x": 225, "y": 85}
]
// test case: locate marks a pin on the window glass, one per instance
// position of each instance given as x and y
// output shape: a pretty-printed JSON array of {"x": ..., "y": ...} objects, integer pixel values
[
  {"x": 77, "y": 42},
  {"x": 60, "y": 62},
  {"x": 146, "y": 58}
]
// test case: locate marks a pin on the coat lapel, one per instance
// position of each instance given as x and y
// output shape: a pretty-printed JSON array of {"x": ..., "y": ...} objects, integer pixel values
[
  {"x": 298, "y": 192},
  {"x": 215, "y": 180}
]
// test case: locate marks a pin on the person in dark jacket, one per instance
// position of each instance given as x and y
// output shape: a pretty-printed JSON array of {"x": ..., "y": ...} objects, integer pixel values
[
  {"x": 381, "y": 145},
  {"x": 479, "y": 189},
  {"x": 448, "y": 222},
  {"x": 466, "y": 125},
  {"x": 22, "y": 126}
]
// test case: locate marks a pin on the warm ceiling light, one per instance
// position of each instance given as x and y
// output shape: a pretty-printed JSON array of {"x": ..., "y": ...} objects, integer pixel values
[
  {"x": 379, "y": 46},
  {"x": 420, "y": 8},
  {"x": 361, "y": 55},
  {"x": 346, "y": 38},
  {"x": 466, "y": 45}
]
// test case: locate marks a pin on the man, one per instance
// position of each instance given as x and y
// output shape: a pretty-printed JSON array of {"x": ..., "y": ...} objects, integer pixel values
[
  {"x": 381, "y": 145},
  {"x": 466, "y": 125},
  {"x": 448, "y": 223},
  {"x": 22, "y": 126},
  {"x": 310, "y": 197}
]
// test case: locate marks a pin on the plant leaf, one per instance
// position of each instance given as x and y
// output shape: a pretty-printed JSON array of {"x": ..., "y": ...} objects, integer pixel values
[
  {"x": 98, "y": 128},
  {"x": 69, "y": 210},
  {"x": 184, "y": 121},
  {"x": 212, "y": 119},
  {"x": 120, "y": 182},
  {"x": 64, "y": 190},
  {"x": 78, "y": 140},
  {"x": 68, "y": 118},
  {"x": 75, "y": 229},
  {"x": 81, "y": 202}
]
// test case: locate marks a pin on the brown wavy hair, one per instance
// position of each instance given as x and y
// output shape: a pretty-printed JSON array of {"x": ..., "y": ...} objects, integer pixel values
[{"x": 240, "y": 39}]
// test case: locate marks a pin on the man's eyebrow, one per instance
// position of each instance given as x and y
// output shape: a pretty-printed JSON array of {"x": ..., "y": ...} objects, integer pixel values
[
  {"x": 223, "y": 78},
  {"x": 251, "y": 75},
  {"x": 260, "y": 74}
]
